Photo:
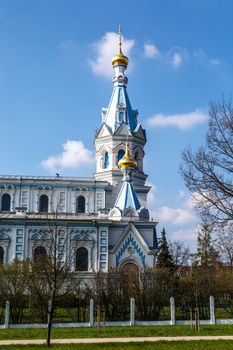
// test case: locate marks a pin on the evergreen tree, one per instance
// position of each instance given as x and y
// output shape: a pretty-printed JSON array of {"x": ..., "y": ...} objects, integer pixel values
[
  {"x": 164, "y": 258},
  {"x": 206, "y": 254}
]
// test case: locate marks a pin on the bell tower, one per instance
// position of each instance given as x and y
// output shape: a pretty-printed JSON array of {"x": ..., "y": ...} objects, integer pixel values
[{"x": 119, "y": 124}]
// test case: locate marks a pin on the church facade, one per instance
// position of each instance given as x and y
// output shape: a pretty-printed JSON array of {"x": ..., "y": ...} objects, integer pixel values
[{"x": 102, "y": 220}]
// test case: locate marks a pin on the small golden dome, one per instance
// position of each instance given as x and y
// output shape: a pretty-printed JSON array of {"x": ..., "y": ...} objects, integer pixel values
[
  {"x": 127, "y": 160},
  {"x": 120, "y": 58}
]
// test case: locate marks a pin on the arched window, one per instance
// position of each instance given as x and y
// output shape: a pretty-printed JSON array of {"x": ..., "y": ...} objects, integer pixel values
[
  {"x": 6, "y": 202},
  {"x": 120, "y": 154},
  {"x": 80, "y": 204},
  {"x": 43, "y": 204},
  {"x": 81, "y": 259},
  {"x": 39, "y": 253},
  {"x": 1, "y": 255},
  {"x": 106, "y": 160},
  {"x": 121, "y": 117}
]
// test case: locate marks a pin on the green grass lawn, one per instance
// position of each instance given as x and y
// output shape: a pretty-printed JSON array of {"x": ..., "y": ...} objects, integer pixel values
[
  {"x": 194, "y": 345},
  {"x": 100, "y": 332}
]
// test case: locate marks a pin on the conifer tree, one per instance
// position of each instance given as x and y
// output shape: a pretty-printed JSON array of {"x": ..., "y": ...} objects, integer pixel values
[
  {"x": 206, "y": 254},
  {"x": 164, "y": 258}
]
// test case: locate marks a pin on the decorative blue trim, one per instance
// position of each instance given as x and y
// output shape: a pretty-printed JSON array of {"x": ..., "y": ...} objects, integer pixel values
[{"x": 127, "y": 242}]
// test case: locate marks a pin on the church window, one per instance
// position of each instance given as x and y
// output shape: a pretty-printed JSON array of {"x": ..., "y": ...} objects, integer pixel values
[
  {"x": 106, "y": 160},
  {"x": 121, "y": 117},
  {"x": 1, "y": 255},
  {"x": 80, "y": 204},
  {"x": 6, "y": 202},
  {"x": 39, "y": 253},
  {"x": 43, "y": 204},
  {"x": 120, "y": 154},
  {"x": 81, "y": 259}
]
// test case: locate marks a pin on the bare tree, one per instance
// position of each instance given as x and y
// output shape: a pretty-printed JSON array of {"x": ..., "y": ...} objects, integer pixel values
[
  {"x": 52, "y": 277},
  {"x": 208, "y": 173},
  {"x": 224, "y": 243},
  {"x": 180, "y": 253}
]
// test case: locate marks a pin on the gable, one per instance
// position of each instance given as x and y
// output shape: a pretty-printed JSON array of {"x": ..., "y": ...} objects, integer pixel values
[
  {"x": 104, "y": 131},
  {"x": 140, "y": 132},
  {"x": 130, "y": 244},
  {"x": 122, "y": 130}
]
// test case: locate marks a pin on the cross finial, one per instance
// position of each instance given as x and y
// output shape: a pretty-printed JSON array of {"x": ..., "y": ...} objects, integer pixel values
[{"x": 120, "y": 37}]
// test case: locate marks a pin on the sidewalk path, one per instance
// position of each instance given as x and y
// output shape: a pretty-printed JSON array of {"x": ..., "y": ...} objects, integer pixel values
[{"x": 114, "y": 340}]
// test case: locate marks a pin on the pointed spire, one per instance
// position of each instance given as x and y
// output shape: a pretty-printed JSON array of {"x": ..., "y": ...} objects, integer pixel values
[{"x": 120, "y": 58}]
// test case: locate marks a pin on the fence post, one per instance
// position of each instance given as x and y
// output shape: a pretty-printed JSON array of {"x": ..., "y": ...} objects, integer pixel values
[
  {"x": 132, "y": 311},
  {"x": 212, "y": 311},
  {"x": 91, "y": 313},
  {"x": 172, "y": 310},
  {"x": 7, "y": 314}
]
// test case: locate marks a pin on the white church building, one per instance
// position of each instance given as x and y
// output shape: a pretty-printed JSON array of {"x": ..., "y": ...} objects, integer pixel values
[{"x": 103, "y": 219}]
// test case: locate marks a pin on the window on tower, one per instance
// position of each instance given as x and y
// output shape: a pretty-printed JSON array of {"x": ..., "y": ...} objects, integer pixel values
[
  {"x": 120, "y": 155},
  {"x": 106, "y": 160},
  {"x": 121, "y": 117}
]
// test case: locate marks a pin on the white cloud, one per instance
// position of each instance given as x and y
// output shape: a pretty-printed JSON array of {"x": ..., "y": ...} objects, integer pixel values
[
  {"x": 74, "y": 155},
  {"x": 176, "y": 59},
  {"x": 105, "y": 49},
  {"x": 182, "y": 235},
  {"x": 215, "y": 61},
  {"x": 181, "y": 121},
  {"x": 176, "y": 216},
  {"x": 151, "y": 51}
]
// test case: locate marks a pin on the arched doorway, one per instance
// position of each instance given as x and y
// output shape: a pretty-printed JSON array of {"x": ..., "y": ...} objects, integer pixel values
[{"x": 129, "y": 277}]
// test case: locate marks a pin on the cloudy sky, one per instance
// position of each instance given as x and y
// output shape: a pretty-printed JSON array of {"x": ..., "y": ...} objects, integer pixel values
[{"x": 55, "y": 76}]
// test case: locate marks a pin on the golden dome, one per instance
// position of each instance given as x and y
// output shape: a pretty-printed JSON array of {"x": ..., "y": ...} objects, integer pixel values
[
  {"x": 127, "y": 160},
  {"x": 120, "y": 58}
]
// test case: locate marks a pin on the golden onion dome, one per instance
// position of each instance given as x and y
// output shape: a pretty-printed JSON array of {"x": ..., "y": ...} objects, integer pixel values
[
  {"x": 127, "y": 161},
  {"x": 120, "y": 58}
]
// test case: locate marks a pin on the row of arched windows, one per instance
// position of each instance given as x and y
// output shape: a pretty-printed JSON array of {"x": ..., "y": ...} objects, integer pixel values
[
  {"x": 81, "y": 261},
  {"x": 120, "y": 154},
  {"x": 43, "y": 203}
]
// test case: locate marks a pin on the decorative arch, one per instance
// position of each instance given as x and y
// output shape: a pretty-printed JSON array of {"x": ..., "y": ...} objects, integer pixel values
[
  {"x": 81, "y": 263},
  {"x": 43, "y": 203},
  {"x": 1, "y": 255},
  {"x": 80, "y": 204},
  {"x": 39, "y": 253},
  {"x": 5, "y": 202}
]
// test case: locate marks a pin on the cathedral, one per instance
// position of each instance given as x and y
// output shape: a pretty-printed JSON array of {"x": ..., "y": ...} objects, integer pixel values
[{"x": 102, "y": 220}]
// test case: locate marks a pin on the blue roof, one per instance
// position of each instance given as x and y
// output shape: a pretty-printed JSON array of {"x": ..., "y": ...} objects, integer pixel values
[
  {"x": 120, "y": 110},
  {"x": 127, "y": 197}
]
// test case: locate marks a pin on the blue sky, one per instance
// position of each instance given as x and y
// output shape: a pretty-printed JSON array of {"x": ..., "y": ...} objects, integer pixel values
[{"x": 55, "y": 76}]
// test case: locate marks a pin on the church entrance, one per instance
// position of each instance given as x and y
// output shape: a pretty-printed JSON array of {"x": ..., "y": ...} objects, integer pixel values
[{"x": 130, "y": 278}]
